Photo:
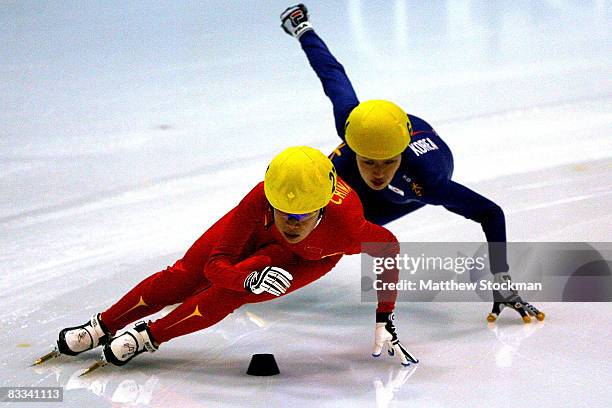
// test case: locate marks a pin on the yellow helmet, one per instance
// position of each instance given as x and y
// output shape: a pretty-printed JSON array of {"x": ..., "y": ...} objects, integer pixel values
[
  {"x": 300, "y": 180},
  {"x": 378, "y": 129}
]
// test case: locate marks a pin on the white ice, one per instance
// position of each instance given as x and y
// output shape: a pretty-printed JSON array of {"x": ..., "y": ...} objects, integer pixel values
[{"x": 128, "y": 128}]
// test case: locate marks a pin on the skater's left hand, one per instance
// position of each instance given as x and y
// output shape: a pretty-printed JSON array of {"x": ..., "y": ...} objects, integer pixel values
[
  {"x": 526, "y": 310},
  {"x": 510, "y": 298},
  {"x": 385, "y": 335}
]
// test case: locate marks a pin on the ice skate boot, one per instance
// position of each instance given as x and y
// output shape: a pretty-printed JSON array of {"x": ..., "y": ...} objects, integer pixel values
[
  {"x": 75, "y": 340},
  {"x": 124, "y": 347}
]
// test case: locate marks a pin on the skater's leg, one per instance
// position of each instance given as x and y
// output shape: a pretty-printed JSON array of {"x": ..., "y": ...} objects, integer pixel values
[
  {"x": 179, "y": 282},
  {"x": 197, "y": 312},
  {"x": 164, "y": 288},
  {"x": 202, "y": 310}
]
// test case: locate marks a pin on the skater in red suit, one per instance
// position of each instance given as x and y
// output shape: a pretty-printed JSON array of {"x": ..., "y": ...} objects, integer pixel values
[{"x": 287, "y": 232}]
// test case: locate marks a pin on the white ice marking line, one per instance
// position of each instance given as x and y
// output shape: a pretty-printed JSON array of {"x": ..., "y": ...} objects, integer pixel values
[
  {"x": 550, "y": 236},
  {"x": 557, "y": 202},
  {"x": 556, "y": 181},
  {"x": 540, "y": 184},
  {"x": 539, "y": 108}
]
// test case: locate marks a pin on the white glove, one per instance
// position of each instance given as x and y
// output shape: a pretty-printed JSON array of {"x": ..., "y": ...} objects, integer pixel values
[
  {"x": 270, "y": 279},
  {"x": 385, "y": 334},
  {"x": 294, "y": 20}
]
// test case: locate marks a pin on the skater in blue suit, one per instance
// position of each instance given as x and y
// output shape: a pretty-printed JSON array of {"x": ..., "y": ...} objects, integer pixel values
[{"x": 397, "y": 162}]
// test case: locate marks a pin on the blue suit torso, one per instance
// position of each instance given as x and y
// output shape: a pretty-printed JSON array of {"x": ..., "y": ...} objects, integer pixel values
[{"x": 425, "y": 172}]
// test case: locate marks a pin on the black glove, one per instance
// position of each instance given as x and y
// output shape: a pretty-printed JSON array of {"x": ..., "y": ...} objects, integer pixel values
[{"x": 510, "y": 298}]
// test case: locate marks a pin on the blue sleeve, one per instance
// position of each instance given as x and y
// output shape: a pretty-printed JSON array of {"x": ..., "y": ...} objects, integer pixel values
[
  {"x": 336, "y": 84},
  {"x": 471, "y": 205}
]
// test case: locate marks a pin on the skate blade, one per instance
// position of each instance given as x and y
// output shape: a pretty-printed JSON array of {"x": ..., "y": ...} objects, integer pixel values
[
  {"x": 93, "y": 367},
  {"x": 52, "y": 354}
]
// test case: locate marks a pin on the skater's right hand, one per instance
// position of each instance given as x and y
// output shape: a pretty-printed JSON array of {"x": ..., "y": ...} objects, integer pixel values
[{"x": 271, "y": 279}]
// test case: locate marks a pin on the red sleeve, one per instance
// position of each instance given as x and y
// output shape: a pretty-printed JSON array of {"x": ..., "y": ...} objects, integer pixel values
[
  {"x": 388, "y": 247},
  {"x": 233, "y": 256},
  {"x": 367, "y": 232}
]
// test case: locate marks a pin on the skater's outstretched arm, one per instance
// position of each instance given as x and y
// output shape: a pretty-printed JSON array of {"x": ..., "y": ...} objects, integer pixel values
[
  {"x": 471, "y": 205},
  {"x": 336, "y": 83},
  {"x": 383, "y": 244},
  {"x": 385, "y": 333}
]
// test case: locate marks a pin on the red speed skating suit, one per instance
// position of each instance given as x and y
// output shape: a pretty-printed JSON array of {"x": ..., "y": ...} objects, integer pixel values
[{"x": 208, "y": 280}]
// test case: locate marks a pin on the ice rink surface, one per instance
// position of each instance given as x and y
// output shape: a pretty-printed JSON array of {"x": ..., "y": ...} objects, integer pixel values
[{"x": 128, "y": 128}]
